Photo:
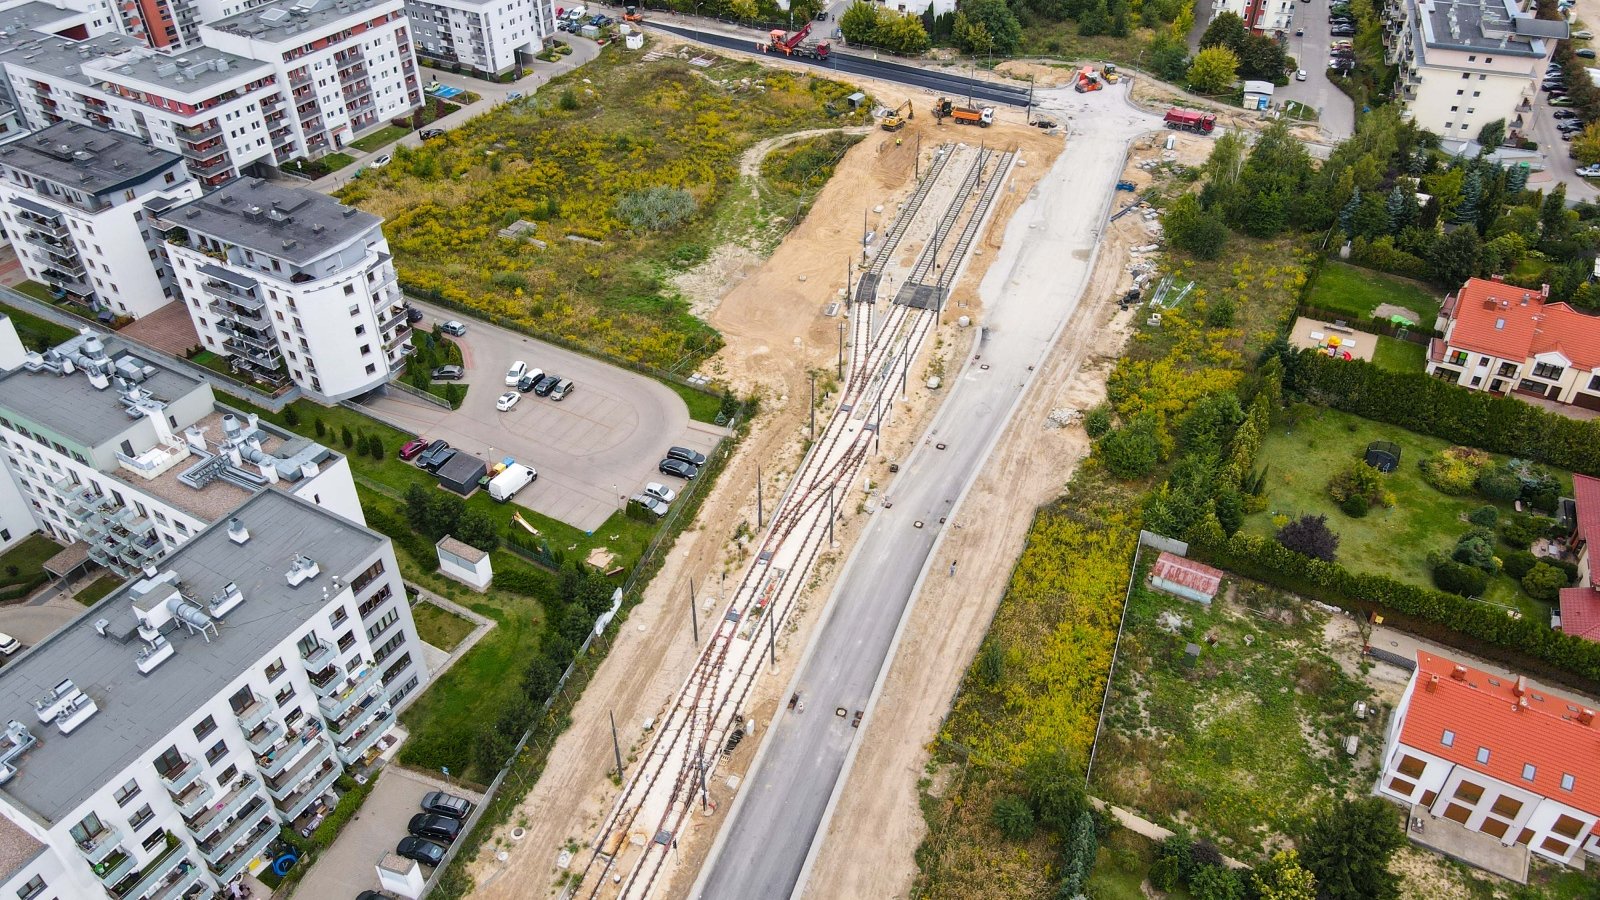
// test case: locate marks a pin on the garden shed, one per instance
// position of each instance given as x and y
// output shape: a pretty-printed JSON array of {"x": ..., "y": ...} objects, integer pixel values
[
  {"x": 1383, "y": 456},
  {"x": 1185, "y": 578},
  {"x": 462, "y": 472}
]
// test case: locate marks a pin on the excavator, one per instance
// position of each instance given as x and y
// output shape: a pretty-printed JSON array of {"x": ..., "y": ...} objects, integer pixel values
[{"x": 897, "y": 118}]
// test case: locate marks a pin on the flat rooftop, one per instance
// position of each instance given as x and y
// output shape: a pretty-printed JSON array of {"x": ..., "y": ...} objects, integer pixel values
[
  {"x": 86, "y": 158},
  {"x": 195, "y": 69},
  {"x": 1491, "y": 25},
  {"x": 298, "y": 21},
  {"x": 41, "y": 17},
  {"x": 59, "y": 56},
  {"x": 106, "y": 57},
  {"x": 138, "y": 712},
  {"x": 289, "y": 223}
]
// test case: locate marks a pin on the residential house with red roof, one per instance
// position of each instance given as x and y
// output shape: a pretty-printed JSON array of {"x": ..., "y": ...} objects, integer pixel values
[
  {"x": 1498, "y": 756},
  {"x": 1507, "y": 339},
  {"x": 1580, "y": 606}
]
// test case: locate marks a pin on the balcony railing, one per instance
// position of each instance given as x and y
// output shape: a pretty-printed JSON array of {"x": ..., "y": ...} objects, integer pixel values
[
  {"x": 318, "y": 657},
  {"x": 179, "y": 881},
  {"x": 295, "y": 805},
  {"x": 198, "y": 133},
  {"x": 177, "y": 779},
  {"x": 113, "y": 868},
  {"x": 255, "y": 713},
  {"x": 153, "y": 872},
  {"x": 262, "y": 737},
  {"x": 329, "y": 681},
  {"x": 44, "y": 240},
  {"x": 218, "y": 844},
  {"x": 236, "y": 311},
  {"x": 231, "y": 865},
  {"x": 50, "y": 224},
  {"x": 99, "y": 846},
  {"x": 195, "y": 798},
  {"x": 269, "y": 360},
  {"x": 350, "y": 754},
  {"x": 335, "y": 703},
  {"x": 371, "y": 705},
  {"x": 283, "y": 785}
]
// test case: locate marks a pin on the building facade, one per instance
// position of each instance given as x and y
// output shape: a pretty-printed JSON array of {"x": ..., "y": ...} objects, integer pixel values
[
  {"x": 489, "y": 36},
  {"x": 1496, "y": 756},
  {"x": 1508, "y": 340},
  {"x": 73, "y": 200},
  {"x": 1261, "y": 16},
  {"x": 158, "y": 743},
  {"x": 1466, "y": 63},
  {"x": 291, "y": 284}
]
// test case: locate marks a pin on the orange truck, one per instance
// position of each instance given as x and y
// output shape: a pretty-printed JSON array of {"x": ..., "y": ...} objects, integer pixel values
[
  {"x": 1088, "y": 80},
  {"x": 964, "y": 115}
]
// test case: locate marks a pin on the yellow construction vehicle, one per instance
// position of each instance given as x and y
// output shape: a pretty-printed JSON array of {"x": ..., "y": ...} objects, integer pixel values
[
  {"x": 1109, "y": 73},
  {"x": 897, "y": 118}
]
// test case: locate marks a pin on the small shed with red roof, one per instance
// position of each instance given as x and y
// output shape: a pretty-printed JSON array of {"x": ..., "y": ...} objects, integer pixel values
[{"x": 1185, "y": 578}]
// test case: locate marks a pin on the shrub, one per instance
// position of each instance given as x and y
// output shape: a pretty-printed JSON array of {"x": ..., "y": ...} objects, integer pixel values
[
  {"x": 1129, "y": 452},
  {"x": 1357, "y": 479},
  {"x": 1454, "y": 471},
  {"x": 1310, "y": 536},
  {"x": 1518, "y": 563},
  {"x": 656, "y": 208},
  {"x": 291, "y": 417},
  {"x": 1459, "y": 578},
  {"x": 1476, "y": 548},
  {"x": 1164, "y": 874},
  {"x": 1499, "y": 484},
  {"x": 1097, "y": 421},
  {"x": 1520, "y": 530},
  {"x": 1216, "y": 883},
  {"x": 1485, "y": 516},
  {"x": 1014, "y": 817},
  {"x": 1355, "y": 506},
  {"x": 1544, "y": 582}
]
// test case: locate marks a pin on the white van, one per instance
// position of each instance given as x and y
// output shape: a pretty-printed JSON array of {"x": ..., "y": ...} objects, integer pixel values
[{"x": 513, "y": 478}]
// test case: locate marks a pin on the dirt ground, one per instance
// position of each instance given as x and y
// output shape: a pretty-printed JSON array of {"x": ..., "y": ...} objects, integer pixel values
[
  {"x": 771, "y": 316},
  {"x": 1158, "y": 96}
]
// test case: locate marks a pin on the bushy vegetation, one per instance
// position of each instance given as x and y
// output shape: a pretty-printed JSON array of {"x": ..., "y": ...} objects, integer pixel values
[{"x": 878, "y": 26}]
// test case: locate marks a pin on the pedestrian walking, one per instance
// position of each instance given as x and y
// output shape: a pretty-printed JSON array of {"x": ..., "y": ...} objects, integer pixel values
[{"x": 952, "y": 568}]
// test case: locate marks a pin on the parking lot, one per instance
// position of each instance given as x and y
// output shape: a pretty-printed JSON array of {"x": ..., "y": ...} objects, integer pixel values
[
  {"x": 349, "y": 866},
  {"x": 599, "y": 445}
]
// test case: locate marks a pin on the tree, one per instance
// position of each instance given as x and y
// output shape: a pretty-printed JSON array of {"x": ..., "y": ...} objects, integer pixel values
[
  {"x": 1347, "y": 214},
  {"x": 1283, "y": 878},
  {"x": 1517, "y": 178},
  {"x": 971, "y": 37},
  {"x": 1192, "y": 229},
  {"x": 859, "y": 23},
  {"x": 444, "y": 512},
  {"x": 998, "y": 20},
  {"x": 1544, "y": 582},
  {"x": 416, "y": 500},
  {"x": 745, "y": 10},
  {"x": 1348, "y": 847},
  {"x": 1096, "y": 19},
  {"x": 476, "y": 528},
  {"x": 1476, "y": 549},
  {"x": 1454, "y": 258},
  {"x": 1213, "y": 71},
  {"x": 1310, "y": 536},
  {"x": 1261, "y": 57},
  {"x": 345, "y": 437},
  {"x": 1170, "y": 63},
  {"x": 1226, "y": 30},
  {"x": 902, "y": 34},
  {"x": 1492, "y": 135},
  {"x": 1216, "y": 883},
  {"x": 1402, "y": 209},
  {"x": 291, "y": 417},
  {"x": 1055, "y": 788},
  {"x": 1585, "y": 147},
  {"x": 1471, "y": 195},
  {"x": 1014, "y": 817},
  {"x": 1130, "y": 451}
]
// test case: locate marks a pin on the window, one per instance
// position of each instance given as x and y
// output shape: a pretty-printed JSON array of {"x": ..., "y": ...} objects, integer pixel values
[
  {"x": 1506, "y": 806},
  {"x": 170, "y": 763},
  {"x": 1567, "y": 826},
  {"x": 275, "y": 669},
  {"x": 346, "y": 641},
  {"x": 309, "y": 644},
  {"x": 1454, "y": 108},
  {"x": 1459, "y": 358},
  {"x": 1448, "y": 739},
  {"x": 87, "y": 830},
  {"x": 354, "y": 310},
  {"x": 1546, "y": 370},
  {"x": 217, "y": 751},
  {"x": 382, "y": 625},
  {"x": 1567, "y": 781},
  {"x": 338, "y": 617},
  {"x": 242, "y": 699},
  {"x": 389, "y": 646},
  {"x": 32, "y": 889},
  {"x": 372, "y": 368},
  {"x": 285, "y": 695},
  {"x": 1411, "y": 767},
  {"x": 206, "y": 726},
  {"x": 360, "y": 330},
  {"x": 399, "y": 666},
  {"x": 142, "y": 817},
  {"x": 1469, "y": 792},
  {"x": 157, "y": 838},
  {"x": 294, "y": 716},
  {"x": 1528, "y": 771},
  {"x": 1483, "y": 754},
  {"x": 127, "y": 792},
  {"x": 366, "y": 349},
  {"x": 367, "y": 576}
]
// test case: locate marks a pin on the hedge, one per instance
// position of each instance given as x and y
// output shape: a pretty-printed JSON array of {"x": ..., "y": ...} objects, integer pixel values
[
  {"x": 1526, "y": 643},
  {"x": 1419, "y": 402},
  {"x": 19, "y": 590}
]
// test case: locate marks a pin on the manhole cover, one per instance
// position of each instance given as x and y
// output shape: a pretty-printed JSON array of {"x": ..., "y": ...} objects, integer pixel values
[
  {"x": 917, "y": 524},
  {"x": 518, "y": 833}
]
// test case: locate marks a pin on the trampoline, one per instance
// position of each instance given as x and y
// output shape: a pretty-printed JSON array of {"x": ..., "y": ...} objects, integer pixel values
[{"x": 1383, "y": 456}]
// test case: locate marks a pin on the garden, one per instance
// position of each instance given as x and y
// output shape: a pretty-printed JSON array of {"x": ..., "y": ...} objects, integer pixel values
[
  {"x": 1357, "y": 293},
  {"x": 22, "y": 566},
  {"x": 615, "y": 179}
]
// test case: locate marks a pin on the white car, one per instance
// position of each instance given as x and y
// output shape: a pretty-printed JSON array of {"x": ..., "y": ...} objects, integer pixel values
[
  {"x": 1583, "y": 35},
  {"x": 515, "y": 373},
  {"x": 507, "y": 400},
  {"x": 9, "y": 644},
  {"x": 380, "y": 162},
  {"x": 651, "y": 503},
  {"x": 661, "y": 492},
  {"x": 1589, "y": 171},
  {"x": 1300, "y": 75}
]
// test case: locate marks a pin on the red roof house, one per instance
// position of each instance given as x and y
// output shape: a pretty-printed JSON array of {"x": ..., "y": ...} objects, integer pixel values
[
  {"x": 1500, "y": 337},
  {"x": 1185, "y": 577}
]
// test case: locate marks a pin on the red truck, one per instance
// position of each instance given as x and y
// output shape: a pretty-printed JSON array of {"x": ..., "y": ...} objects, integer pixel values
[
  {"x": 780, "y": 41},
  {"x": 1189, "y": 120}
]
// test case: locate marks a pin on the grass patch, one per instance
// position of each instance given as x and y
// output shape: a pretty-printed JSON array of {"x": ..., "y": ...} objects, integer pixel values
[
  {"x": 440, "y": 627},
  {"x": 1246, "y": 740},
  {"x": 27, "y": 558},
  {"x": 1303, "y": 453},
  {"x": 316, "y": 168},
  {"x": 95, "y": 592},
  {"x": 703, "y": 407},
  {"x": 213, "y": 361},
  {"x": 1357, "y": 292},
  {"x": 1399, "y": 356},
  {"x": 1061, "y": 39},
  {"x": 36, "y": 333},
  {"x": 37, "y": 291},
  {"x": 1121, "y": 867},
  {"x": 388, "y": 134}
]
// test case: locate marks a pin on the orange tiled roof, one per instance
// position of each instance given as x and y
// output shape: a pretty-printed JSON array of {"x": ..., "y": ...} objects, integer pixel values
[
  {"x": 1580, "y": 611},
  {"x": 1484, "y": 710},
  {"x": 1193, "y": 575},
  {"x": 1510, "y": 322},
  {"x": 1586, "y": 496}
]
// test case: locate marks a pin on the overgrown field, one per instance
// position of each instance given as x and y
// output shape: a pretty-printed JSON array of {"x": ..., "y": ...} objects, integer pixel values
[
  {"x": 619, "y": 168},
  {"x": 1244, "y": 740}
]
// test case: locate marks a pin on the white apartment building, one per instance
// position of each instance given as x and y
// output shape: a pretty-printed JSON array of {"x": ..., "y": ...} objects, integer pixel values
[
  {"x": 1261, "y": 16},
  {"x": 72, "y": 198},
  {"x": 1496, "y": 756},
  {"x": 349, "y": 64},
  {"x": 489, "y": 36},
  {"x": 128, "y": 459},
  {"x": 291, "y": 283},
  {"x": 155, "y": 745},
  {"x": 1466, "y": 63},
  {"x": 16, "y": 516}
]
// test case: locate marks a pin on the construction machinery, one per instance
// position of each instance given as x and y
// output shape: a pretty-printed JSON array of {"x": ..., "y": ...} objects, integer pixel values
[
  {"x": 631, "y": 13},
  {"x": 1109, "y": 73},
  {"x": 963, "y": 115},
  {"x": 897, "y": 118},
  {"x": 1189, "y": 120},
  {"x": 794, "y": 44},
  {"x": 1088, "y": 80}
]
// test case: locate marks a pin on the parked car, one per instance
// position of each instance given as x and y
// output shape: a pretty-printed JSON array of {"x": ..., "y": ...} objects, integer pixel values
[
  {"x": 429, "y": 134},
  {"x": 442, "y": 459},
  {"x": 420, "y": 849},
  {"x": 687, "y": 455},
  {"x": 1559, "y": 101},
  {"x": 1589, "y": 172},
  {"x": 514, "y": 95},
  {"x": 1301, "y": 32},
  {"x": 447, "y": 373},
  {"x": 530, "y": 380},
  {"x": 428, "y": 459},
  {"x": 515, "y": 373},
  {"x": 1583, "y": 35},
  {"x": 441, "y": 804},
  {"x": 453, "y": 327},
  {"x": 9, "y": 644},
  {"x": 507, "y": 400},
  {"x": 1585, "y": 53},
  {"x": 661, "y": 492},
  {"x": 413, "y": 315},
  {"x": 1564, "y": 114},
  {"x": 1300, "y": 75},
  {"x": 380, "y": 162},
  {"x": 656, "y": 507},
  {"x": 412, "y": 447},
  {"x": 562, "y": 389},
  {"x": 437, "y": 828},
  {"x": 545, "y": 385},
  {"x": 677, "y": 468}
]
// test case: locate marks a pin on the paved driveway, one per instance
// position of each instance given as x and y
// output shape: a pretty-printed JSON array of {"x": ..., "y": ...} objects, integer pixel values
[
  {"x": 32, "y": 623},
  {"x": 1558, "y": 163},
  {"x": 598, "y": 445},
  {"x": 1335, "y": 110},
  {"x": 350, "y": 865}
]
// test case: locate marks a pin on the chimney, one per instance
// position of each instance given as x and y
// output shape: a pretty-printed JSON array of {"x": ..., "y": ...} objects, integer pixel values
[
  {"x": 1521, "y": 687},
  {"x": 1459, "y": 673},
  {"x": 1433, "y": 683},
  {"x": 237, "y": 532},
  {"x": 1522, "y": 704},
  {"x": 1586, "y": 716},
  {"x": 1544, "y": 291}
]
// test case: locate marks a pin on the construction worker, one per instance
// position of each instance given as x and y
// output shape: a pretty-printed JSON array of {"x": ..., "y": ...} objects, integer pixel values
[{"x": 897, "y": 141}]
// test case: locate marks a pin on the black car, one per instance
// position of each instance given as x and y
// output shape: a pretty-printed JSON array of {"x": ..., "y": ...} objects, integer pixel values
[
  {"x": 687, "y": 455},
  {"x": 429, "y": 458},
  {"x": 429, "y": 134},
  {"x": 447, "y": 373},
  {"x": 1564, "y": 114},
  {"x": 423, "y": 851},
  {"x": 436, "y": 828},
  {"x": 677, "y": 468},
  {"x": 373, "y": 895},
  {"x": 546, "y": 385},
  {"x": 527, "y": 383},
  {"x": 413, "y": 315},
  {"x": 441, "y": 804},
  {"x": 443, "y": 457}
]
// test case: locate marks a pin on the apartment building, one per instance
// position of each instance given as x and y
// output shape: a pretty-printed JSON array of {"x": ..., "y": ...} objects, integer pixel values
[
  {"x": 1511, "y": 340},
  {"x": 156, "y": 744},
  {"x": 16, "y": 516},
  {"x": 291, "y": 283},
  {"x": 1466, "y": 63},
  {"x": 490, "y": 36},
  {"x": 349, "y": 64},
  {"x": 72, "y": 197},
  {"x": 1261, "y": 16},
  {"x": 129, "y": 459},
  {"x": 1496, "y": 756}
]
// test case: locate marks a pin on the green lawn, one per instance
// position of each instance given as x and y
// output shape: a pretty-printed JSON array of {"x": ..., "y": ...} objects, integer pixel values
[
  {"x": 1358, "y": 292},
  {"x": 36, "y": 333},
  {"x": 388, "y": 134},
  {"x": 37, "y": 291},
  {"x": 440, "y": 627},
  {"x": 1396, "y": 355},
  {"x": 1303, "y": 454},
  {"x": 1121, "y": 867},
  {"x": 317, "y": 168},
  {"x": 703, "y": 407},
  {"x": 27, "y": 557},
  {"x": 92, "y": 594},
  {"x": 213, "y": 361}
]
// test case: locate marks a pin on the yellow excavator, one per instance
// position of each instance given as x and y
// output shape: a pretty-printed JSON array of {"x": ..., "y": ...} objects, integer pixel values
[{"x": 897, "y": 118}]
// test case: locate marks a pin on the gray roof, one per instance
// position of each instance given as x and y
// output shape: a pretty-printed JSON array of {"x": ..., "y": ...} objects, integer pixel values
[
  {"x": 291, "y": 20},
  {"x": 72, "y": 407},
  {"x": 40, "y": 16},
  {"x": 1483, "y": 25},
  {"x": 139, "y": 712},
  {"x": 59, "y": 56},
  {"x": 289, "y": 223},
  {"x": 86, "y": 158},
  {"x": 194, "y": 69},
  {"x": 31, "y": 44}
]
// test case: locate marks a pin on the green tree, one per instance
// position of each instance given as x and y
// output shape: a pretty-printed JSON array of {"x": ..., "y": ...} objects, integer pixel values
[
  {"x": 453, "y": 393},
  {"x": 1194, "y": 230},
  {"x": 1347, "y": 849},
  {"x": 1216, "y": 883},
  {"x": 1544, "y": 582},
  {"x": 997, "y": 18},
  {"x": 1014, "y": 817},
  {"x": 1492, "y": 135},
  {"x": 1213, "y": 71},
  {"x": 317, "y": 426},
  {"x": 1130, "y": 451},
  {"x": 477, "y": 529},
  {"x": 1226, "y": 30},
  {"x": 1454, "y": 257},
  {"x": 971, "y": 37},
  {"x": 291, "y": 416},
  {"x": 902, "y": 34},
  {"x": 416, "y": 507},
  {"x": 859, "y": 23},
  {"x": 1095, "y": 20},
  {"x": 1055, "y": 788},
  {"x": 1283, "y": 878},
  {"x": 1471, "y": 195},
  {"x": 444, "y": 513},
  {"x": 1170, "y": 63},
  {"x": 1261, "y": 57},
  {"x": 345, "y": 437}
]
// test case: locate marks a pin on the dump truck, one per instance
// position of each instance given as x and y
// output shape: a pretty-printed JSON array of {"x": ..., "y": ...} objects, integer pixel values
[
  {"x": 794, "y": 44},
  {"x": 1189, "y": 120},
  {"x": 964, "y": 115},
  {"x": 897, "y": 118},
  {"x": 511, "y": 479},
  {"x": 1088, "y": 80}
]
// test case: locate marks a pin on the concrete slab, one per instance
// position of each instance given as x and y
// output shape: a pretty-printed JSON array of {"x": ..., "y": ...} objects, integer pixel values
[
  {"x": 1317, "y": 334},
  {"x": 1452, "y": 839},
  {"x": 31, "y": 624}
]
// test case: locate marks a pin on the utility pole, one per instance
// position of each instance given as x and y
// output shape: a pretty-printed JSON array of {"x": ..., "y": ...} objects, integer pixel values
[
  {"x": 849, "y": 289},
  {"x": 705, "y": 803},
  {"x": 813, "y": 406},
  {"x": 831, "y": 489},
  {"x": 841, "y": 351},
  {"x": 863, "y": 237},
  {"x": 1030, "y": 99},
  {"x": 616, "y": 746},
  {"x": 694, "y": 615},
  {"x": 758, "y": 498},
  {"x": 772, "y": 637}
]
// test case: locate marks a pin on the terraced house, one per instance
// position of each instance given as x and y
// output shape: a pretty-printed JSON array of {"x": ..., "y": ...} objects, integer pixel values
[
  {"x": 154, "y": 746},
  {"x": 1506, "y": 339}
]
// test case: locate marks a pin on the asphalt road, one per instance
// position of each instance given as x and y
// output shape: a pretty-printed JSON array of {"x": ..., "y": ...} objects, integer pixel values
[
  {"x": 1336, "y": 112},
  {"x": 1558, "y": 162},
  {"x": 598, "y": 445},
  {"x": 1031, "y": 291}
]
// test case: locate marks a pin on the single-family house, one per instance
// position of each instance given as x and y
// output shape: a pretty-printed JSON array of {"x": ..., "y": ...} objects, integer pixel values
[{"x": 1507, "y": 339}]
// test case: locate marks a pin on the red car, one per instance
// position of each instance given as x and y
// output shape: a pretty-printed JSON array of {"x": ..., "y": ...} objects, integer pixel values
[{"x": 413, "y": 447}]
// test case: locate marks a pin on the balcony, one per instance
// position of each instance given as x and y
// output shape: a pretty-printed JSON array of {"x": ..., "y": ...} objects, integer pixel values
[
  {"x": 229, "y": 867},
  {"x": 295, "y": 806},
  {"x": 99, "y": 846},
  {"x": 219, "y": 843},
  {"x": 261, "y": 738},
  {"x": 114, "y": 868},
  {"x": 318, "y": 657},
  {"x": 44, "y": 240},
  {"x": 156, "y": 871},
  {"x": 262, "y": 342},
  {"x": 335, "y": 703},
  {"x": 200, "y": 154},
  {"x": 371, "y": 705},
  {"x": 211, "y": 167},
  {"x": 236, "y": 311},
  {"x": 184, "y": 775},
  {"x": 329, "y": 681},
  {"x": 45, "y": 224},
  {"x": 178, "y": 881},
  {"x": 205, "y": 823},
  {"x": 65, "y": 261},
  {"x": 196, "y": 133},
  {"x": 391, "y": 318},
  {"x": 400, "y": 336},
  {"x": 366, "y": 740},
  {"x": 266, "y": 360},
  {"x": 255, "y": 713},
  {"x": 300, "y": 79},
  {"x": 243, "y": 297},
  {"x": 283, "y": 784},
  {"x": 195, "y": 798}
]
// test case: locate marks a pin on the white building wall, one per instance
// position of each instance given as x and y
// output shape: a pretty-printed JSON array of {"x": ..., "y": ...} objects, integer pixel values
[{"x": 484, "y": 36}]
